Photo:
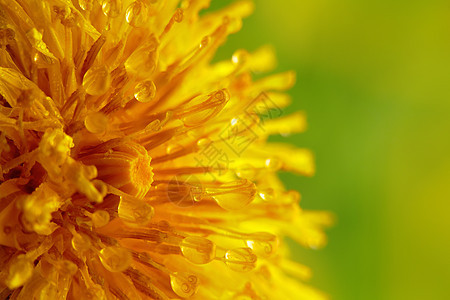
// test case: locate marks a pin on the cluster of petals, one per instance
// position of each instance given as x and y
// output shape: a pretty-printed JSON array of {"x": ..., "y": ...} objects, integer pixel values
[{"x": 133, "y": 166}]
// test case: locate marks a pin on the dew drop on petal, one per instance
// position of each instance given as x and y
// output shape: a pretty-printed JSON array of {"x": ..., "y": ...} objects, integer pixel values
[
  {"x": 115, "y": 258},
  {"x": 263, "y": 244},
  {"x": 172, "y": 148},
  {"x": 246, "y": 171},
  {"x": 198, "y": 250},
  {"x": 153, "y": 126},
  {"x": 81, "y": 242},
  {"x": 111, "y": 8},
  {"x": 96, "y": 122},
  {"x": 205, "y": 41},
  {"x": 137, "y": 14},
  {"x": 184, "y": 284},
  {"x": 145, "y": 91},
  {"x": 240, "y": 259},
  {"x": 142, "y": 62},
  {"x": 86, "y": 4},
  {"x": 273, "y": 164},
  {"x": 240, "y": 57},
  {"x": 203, "y": 142},
  {"x": 236, "y": 198},
  {"x": 100, "y": 218},
  {"x": 267, "y": 194},
  {"x": 135, "y": 212},
  {"x": 97, "y": 80}
]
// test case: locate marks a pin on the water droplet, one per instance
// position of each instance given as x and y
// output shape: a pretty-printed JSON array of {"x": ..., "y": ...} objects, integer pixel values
[
  {"x": 137, "y": 14},
  {"x": 205, "y": 41},
  {"x": 203, "y": 143},
  {"x": 115, "y": 258},
  {"x": 111, "y": 8},
  {"x": 273, "y": 163},
  {"x": 240, "y": 259},
  {"x": 263, "y": 244},
  {"x": 184, "y": 284},
  {"x": 236, "y": 196},
  {"x": 19, "y": 272},
  {"x": 142, "y": 62},
  {"x": 100, "y": 218},
  {"x": 267, "y": 194},
  {"x": 197, "y": 192},
  {"x": 135, "y": 212},
  {"x": 86, "y": 4},
  {"x": 198, "y": 250},
  {"x": 81, "y": 242},
  {"x": 145, "y": 91},
  {"x": 153, "y": 126},
  {"x": 97, "y": 80},
  {"x": 240, "y": 57},
  {"x": 246, "y": 171},
  {"x": 96, "y": 122},
  {"x": 172, "y": 148},
  {"x": 293, "y": 196}
]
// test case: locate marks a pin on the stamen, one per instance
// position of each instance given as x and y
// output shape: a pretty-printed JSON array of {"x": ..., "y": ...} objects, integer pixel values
[
  {"x": 115, "y": 258},
  {"x": 144, "y": 284},
  {"x": 99, "y": 218},
  {"x": 240, "y": 259},
  {"x": 92, "y": 54},
  {"x": 198, "y": 250},
  {"x": 246, "y": 171},
  {"x": 145, "y": 91},
  {"x": 233, "y": 195},
  {"x": 177, "y": 17},
  {"x": 137, "y": 13},
  {"x": 97, "y": 81},
  {"x": 112, "y": 8},
  {"x": 80, "y": 242},
  {"x": 96, "y": 122},
  {"x": 184, "y": 284},
  {"x": 86, "y": 4},
  {"x": 263, "y": 244},
  {"x": 202, "y": 110},
  {"x": 142, "y": 62},
  {"x": 135, "y": 212}
]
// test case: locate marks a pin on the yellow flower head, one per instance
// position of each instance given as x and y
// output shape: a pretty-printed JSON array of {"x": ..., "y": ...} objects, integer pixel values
[{"x": 131, "y": 167}]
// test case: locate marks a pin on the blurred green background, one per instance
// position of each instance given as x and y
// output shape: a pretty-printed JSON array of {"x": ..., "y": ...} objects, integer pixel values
[{"x": 373, "y": 77}]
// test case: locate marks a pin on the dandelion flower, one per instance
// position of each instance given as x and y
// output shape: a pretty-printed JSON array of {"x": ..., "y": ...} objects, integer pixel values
[{"x": 132, "y": 167}]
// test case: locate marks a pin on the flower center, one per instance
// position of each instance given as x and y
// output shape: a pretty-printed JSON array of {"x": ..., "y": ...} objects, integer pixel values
[{"x": 125, "y": 167}]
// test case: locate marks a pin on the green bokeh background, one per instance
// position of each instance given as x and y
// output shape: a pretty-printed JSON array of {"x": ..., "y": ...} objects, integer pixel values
[{"x": 373, "y": 77}]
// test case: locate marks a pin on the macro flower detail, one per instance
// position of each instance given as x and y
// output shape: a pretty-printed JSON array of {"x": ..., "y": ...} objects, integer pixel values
[{"x": 132, "y": 166}]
